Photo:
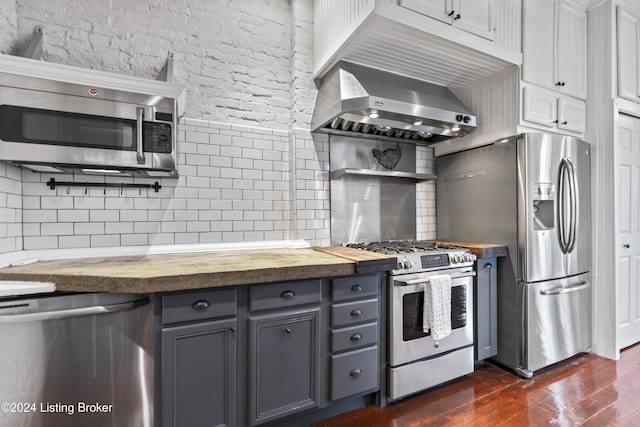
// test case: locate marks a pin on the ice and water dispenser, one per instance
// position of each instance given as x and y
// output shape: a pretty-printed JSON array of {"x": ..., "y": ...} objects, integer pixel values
[{"x": 543, "y": 205}]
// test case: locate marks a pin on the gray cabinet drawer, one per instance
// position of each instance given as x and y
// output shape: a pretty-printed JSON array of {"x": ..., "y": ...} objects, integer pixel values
[
  {"x": 354, "y": 312},
  {"x": 354, "y": 372},
  {"x": 354, "y": 337},
  {"x": 353, "y": 287},
  {"x": 201, "y": 305},
  {"x": 283, "y": 295}
]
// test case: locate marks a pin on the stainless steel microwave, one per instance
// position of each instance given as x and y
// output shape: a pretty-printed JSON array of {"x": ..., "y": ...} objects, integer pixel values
[{"x": 119, "y": 125}]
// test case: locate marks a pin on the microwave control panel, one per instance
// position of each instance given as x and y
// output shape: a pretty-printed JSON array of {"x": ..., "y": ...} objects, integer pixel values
[{"x": 157, "y": 137}]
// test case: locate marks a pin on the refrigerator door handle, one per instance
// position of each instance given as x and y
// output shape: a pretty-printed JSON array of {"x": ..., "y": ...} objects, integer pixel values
[
  {"x": 573, "y": 197},
  {"x": 561, "y": 290},
  {"x": 562, "y": 172}
]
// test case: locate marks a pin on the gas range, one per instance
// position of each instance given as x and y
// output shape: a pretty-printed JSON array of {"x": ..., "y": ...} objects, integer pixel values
[{"x": 415, "y": 256}]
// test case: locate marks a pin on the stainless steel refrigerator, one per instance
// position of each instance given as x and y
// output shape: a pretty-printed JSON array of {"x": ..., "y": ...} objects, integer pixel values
[{"x": 532, "y": 193}]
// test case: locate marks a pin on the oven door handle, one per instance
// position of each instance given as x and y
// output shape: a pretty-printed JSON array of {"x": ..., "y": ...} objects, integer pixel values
[{"x": 425, "y": 280}]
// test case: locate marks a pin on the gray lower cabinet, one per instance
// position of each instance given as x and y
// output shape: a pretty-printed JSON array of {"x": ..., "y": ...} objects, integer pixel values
[
  {"x": 198, "y": 349},
  {"x": 354, "y": 336},
  {"x": 199, "y": 374},
  {"x": 284, "y": 355},
  {"x": 486, "y": 309}
]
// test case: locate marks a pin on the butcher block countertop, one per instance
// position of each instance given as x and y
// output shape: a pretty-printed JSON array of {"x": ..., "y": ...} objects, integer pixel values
[
  {"x": 481, "y": 250},
  {"x": 174, "y": 272}
]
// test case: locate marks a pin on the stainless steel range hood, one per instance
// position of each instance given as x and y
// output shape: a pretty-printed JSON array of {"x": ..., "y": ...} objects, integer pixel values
[{"x": 361, "y": 101}]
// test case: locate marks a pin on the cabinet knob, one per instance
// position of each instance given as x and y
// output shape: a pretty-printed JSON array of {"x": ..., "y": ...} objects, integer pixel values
[
  {"x": 626, "y": 245},
  {"x": 356, "y": 288},
  {"x": 554, "y": 122},
  {"x": 452, "y": 13},
  {"x": 564, "y": 122},
  {"x": 287, "y": 330},
  {"x": 457, "y": 17},
  {"x": 357, "y": 313},
  {"x": 356, "y": 337},
  {"x": 355, "y": 373},
  {"x": 487, "y": 265},
  {"x": 201, "y": 305},
  {"x": 560, "y": 83},
  {"x": 287, "y": 294}
]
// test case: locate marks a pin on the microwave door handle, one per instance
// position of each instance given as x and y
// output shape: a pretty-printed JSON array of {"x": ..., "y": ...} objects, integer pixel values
[{"x": 139, "y": 144}]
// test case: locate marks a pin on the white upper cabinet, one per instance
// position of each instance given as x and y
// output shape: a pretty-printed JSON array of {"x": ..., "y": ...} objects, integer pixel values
[
  {"x": 554, "y": 45},
  {"x": 438, "y": 9},
  {"x": 628, "y": 31},
  {"x": 474, "y": 16}
]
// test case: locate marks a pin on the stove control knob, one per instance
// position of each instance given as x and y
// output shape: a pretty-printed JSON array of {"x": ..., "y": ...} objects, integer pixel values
[
  {"x": 408, "y": 264},
  {"x": 400, "y": 264},
  {"x": 457, "y": 259},
  {"x": 469, "y": 257}
]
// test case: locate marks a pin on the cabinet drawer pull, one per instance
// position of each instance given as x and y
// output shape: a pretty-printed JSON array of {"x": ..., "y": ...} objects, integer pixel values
[
  {"x": 356, "y": 337},
  {"x": 288, "y": 294},
  {"x": 357, "y": 313},
  {"x": 356, "y": 288},
  {"x": 201, "y": 305},
  {"x": 355, "y": 373}
]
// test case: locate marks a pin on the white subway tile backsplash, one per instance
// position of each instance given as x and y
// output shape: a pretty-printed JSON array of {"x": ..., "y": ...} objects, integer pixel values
[
  {"x": 105, "y": 240},
  {"x": 65, "y": 242},
  {"x": 236, "y": 183},
  {"x": 41, "y": 242}
]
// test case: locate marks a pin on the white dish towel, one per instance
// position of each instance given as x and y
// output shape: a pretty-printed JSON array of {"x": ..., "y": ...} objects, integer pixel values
[{"x": 437, "y": 306}]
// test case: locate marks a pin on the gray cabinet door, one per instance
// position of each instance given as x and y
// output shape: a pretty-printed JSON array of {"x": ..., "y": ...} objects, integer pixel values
[
  {"x": 486, "y": 309},
  {"x": 284, "y": 355},
  {"x": 199, "y": 374}
]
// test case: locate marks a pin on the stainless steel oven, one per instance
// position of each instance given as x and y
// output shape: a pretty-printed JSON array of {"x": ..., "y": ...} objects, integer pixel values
[
  {"x": 417, "y": 361},
  {"x": 408, "y": 341},
  {"x": 50, "y": 125}
]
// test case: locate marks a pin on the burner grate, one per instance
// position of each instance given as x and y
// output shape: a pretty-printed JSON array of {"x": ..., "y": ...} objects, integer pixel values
[{"x": 402, "y": 246}]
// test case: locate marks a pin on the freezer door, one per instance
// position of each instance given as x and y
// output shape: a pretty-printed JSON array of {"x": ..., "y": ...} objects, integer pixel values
[
  {"x": 579, "y": 226},
  {"x": 540, "y": 198},
  {"x": 557, "y": 317}
]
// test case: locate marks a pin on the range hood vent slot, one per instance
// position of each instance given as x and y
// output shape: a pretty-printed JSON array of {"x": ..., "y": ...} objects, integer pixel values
[{"x": 358, "y": 101}]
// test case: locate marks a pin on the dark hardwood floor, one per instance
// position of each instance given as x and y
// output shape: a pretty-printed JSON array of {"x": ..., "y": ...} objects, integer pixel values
[{"x": 585, "y": 391}]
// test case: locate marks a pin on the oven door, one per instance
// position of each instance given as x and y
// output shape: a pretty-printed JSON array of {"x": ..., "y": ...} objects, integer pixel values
[
  {"x": 53, "y": 128},
  {"x": 407, "y": 340}
]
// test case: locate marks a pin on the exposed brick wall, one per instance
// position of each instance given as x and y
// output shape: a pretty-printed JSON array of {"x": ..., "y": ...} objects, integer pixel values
[
  {"x": 8, "y": 25},
  {"x": 234, "y": 56}
]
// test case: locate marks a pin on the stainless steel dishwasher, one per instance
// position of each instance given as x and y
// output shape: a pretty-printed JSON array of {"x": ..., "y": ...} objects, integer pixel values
[{"x": 76, "y": 360}]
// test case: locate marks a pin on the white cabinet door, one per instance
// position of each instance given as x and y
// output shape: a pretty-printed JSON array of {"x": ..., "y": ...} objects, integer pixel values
[
  {"x": 475, "y": 16},
  {"x": 539, "y": 107},
  {"x": 571, "y": 47},
  {"x": 439, "y": 9},
  {"x": 628, "y": 55},
  {"x": 571, "y": 115},
  {"x": 627, "y": 226},
  {"x": 538, "y": 45}
]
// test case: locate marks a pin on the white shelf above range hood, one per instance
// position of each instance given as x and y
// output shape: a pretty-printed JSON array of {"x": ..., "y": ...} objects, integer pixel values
[{"x": 382, "y": 34}]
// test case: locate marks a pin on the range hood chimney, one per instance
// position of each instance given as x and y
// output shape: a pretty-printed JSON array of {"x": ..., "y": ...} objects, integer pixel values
[{"x": 359, "y": 101}]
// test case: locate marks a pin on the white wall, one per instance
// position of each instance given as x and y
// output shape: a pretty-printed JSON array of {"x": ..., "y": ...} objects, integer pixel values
[
  {"x": 8, "y": 25},
  {"x": 249, "y": 168},
  {"x": 233, "y": 54}
]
